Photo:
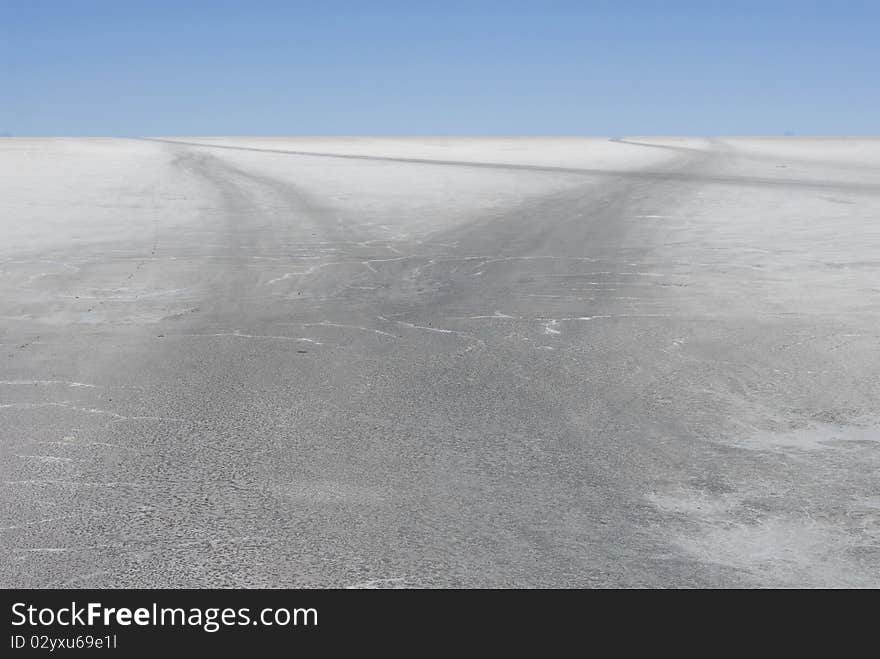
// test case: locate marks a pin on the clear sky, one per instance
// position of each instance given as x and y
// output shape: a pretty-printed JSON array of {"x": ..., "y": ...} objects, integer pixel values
[{"x": 273, "y": 67}]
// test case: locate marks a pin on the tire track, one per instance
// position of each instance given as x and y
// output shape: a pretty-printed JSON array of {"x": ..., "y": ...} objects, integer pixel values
[{"x": 657, "y": 174}]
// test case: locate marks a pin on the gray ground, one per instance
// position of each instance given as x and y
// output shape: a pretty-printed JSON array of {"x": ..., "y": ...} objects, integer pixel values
[{"x": 535, "y": 363}]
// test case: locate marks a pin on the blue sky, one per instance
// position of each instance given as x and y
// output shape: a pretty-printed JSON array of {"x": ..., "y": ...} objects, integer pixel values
[{"x": 156, "y": 67}]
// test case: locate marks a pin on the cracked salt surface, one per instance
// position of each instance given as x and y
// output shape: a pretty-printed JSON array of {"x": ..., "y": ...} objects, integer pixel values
[{"x": 395, "y": 436}]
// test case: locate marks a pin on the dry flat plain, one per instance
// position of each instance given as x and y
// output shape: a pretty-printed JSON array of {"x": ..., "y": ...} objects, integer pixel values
[{"x": 363, "y": 362}]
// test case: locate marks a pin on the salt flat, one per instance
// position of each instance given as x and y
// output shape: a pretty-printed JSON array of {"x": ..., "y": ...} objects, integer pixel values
[{"x": 428, "y": 362}]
